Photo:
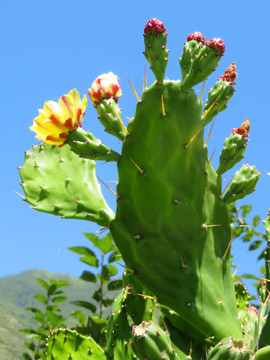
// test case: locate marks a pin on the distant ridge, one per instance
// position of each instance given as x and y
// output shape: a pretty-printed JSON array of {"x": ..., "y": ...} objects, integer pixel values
[{"x": 16, "y": 292}]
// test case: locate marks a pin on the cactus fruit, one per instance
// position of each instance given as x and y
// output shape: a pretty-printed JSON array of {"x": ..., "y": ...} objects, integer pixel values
[
  {"x": 73, "y": 194},
  {"x": 230, "y": 349},
  {"x": 64, "y": 344}
]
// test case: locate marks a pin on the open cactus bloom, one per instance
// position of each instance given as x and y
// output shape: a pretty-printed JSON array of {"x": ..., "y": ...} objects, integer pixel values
[
  {"x": 57, "y": 120},
  {"x": 105, "y": 86}
]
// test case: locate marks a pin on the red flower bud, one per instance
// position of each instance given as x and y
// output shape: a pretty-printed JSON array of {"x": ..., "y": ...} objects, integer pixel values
[
  {"x": 196, "y": 36},
  {"x": 154, "y": 26},
  {"x": 218, "y": 45}
]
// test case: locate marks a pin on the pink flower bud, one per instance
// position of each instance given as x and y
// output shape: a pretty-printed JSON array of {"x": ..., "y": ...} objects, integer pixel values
[
  {"x": 217, "y": 44},
  {"x": 252, "y": 308},
  {"x": 196, "y": 36},
  {"x": 154, "y": 26},
  {"x": 106, "y": 86}
]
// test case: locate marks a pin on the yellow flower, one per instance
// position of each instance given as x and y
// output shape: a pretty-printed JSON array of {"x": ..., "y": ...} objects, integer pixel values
[
  {"x": 56, "y": 120},
  {"x": 106, "y": 86}
]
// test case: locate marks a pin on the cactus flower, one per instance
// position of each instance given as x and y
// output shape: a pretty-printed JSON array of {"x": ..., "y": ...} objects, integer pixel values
[
  {"x": 106, "y": 86},
  {"x": 56, "y": 120},
  {"x": 154, "y": 26}
]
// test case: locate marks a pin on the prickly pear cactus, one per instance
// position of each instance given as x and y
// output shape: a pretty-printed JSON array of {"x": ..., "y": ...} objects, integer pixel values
[{"x": 172, "y": 223}]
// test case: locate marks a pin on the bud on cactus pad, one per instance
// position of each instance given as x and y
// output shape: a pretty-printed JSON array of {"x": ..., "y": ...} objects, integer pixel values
[
  {"x": 218, "y": 45},
  {"x": 196, "y": 36},
  {"x": 155, "y": 39},
  {"x": 230, "y": 349},
  {"x": 106, "y": 86},
  {"x": 243, "y": 130},
  {"x": 154, "y": 27}
]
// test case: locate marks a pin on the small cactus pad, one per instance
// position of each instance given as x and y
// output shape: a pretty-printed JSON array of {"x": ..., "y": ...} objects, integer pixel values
[
  {"x": 230, "y": 349},
  {"x": 87, "y": 146},
  {"x": 151, "y": 342},
  {"x": 263, "y": 353},
  {"x": 64, "y": 344},
  {"x": 218, "y": 97},
  {"x": 155, "y": 39},
  {"x": 243, "y": 183},
  {"x": 201, "y": 62},
  {"x": 57, "y": 181},
  {"x": 231, "y": 153},
  {"x": 110, "y": 117}
]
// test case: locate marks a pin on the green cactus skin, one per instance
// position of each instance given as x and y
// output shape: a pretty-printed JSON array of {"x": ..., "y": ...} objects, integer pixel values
[
  {"x": 151, "y": 342},
  {"x": 155, "y": 40},
  {"x": 219, "y": 96},
  {"x": 230, "y": 349},
  {"x": 87, "y": 146},
  {"x": 119, "y": 331},
  {"x": 191, "y": 49},
  {"x": 231, "y": 153},
  {"x": 243, "y": 183},
  {"x": 242, "y": 298},
  {"x": 73, "y": 193},
  {"x": 65, "y": 344},
  {"x": 110, "y": 117},
  {"x": 140, "y": 303},
  {"x": 181, "y": 262},
  {"x": 263, "y": 354},
  {"x": 202, "y": 65}
]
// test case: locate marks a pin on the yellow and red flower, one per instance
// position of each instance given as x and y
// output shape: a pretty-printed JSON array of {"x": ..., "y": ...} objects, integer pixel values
[
  {"x": 106, "y": 86},
  {"x": 56, "y": 120}
]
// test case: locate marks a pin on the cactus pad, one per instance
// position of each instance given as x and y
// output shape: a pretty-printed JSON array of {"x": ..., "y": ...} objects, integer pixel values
[
  {"x": 64, "y": 344},
  {"x": 57, "y": 181},
  {"x": 230, "y": 349}
]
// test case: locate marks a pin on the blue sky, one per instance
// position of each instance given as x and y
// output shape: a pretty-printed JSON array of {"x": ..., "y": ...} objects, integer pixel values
[{"x": 50, "y": 47}]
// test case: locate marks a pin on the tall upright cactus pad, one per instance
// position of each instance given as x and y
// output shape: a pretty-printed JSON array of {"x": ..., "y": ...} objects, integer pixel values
[
  {"x": 57, "y": 181},
  {"x": 171, "y": 225}
]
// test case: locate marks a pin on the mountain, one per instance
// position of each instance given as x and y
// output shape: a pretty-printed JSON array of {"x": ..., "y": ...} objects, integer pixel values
[{"x": 16, "y": 292}]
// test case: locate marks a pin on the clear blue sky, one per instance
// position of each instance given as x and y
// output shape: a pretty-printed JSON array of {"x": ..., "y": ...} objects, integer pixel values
[{"x": 50, "y": 47}]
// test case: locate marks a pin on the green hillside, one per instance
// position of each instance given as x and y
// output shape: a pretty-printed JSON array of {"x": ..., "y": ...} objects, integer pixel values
[{"x": 16, "y": 293}]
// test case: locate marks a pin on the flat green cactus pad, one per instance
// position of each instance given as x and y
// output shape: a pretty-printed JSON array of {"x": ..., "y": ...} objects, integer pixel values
[
  {"x": 57, "y": 181},
  {"x": 64, "y": 344}
]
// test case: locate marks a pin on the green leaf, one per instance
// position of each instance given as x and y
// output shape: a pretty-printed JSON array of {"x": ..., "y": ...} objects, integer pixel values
[
  {"x": 115, "y": 285},
  {"x": 80, "y": 316},
  {"x": 82, "y": 250},
  {"x": 52, "y": 289},
  {"x": 256, "y": 220},
  {"x": 255, "y": 245},
  {"x": 43, "y": 283},
  {"x": 246, "y": 209},
  {"x": 53, "y": 308},
  {"x": 85, "y": 304},
  {"x": 115, "y": 257},
  {"x": 30, "y": 346},
  {"x": 90, "y": 261},
  {"x": 26, "y": 356},
  {"x": 107, "y": 302},
  {"x": 263, "y": 269},
  {"x": 40, "y": 297},
  {"x": 59, "y": 299},
  {"x": 59, "y": 283},
  {"x": 249, "y": 276},
  {"x": 40, "y": 318},
  {"x": 88, "y": 276},
  {"x": 108, "y": 271},
  {"x": 33, "y": 310},
  {"x": 97, "y": 295},
  {"x": 53, "y": 319},
  {"x": 105, "y": 244}
]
